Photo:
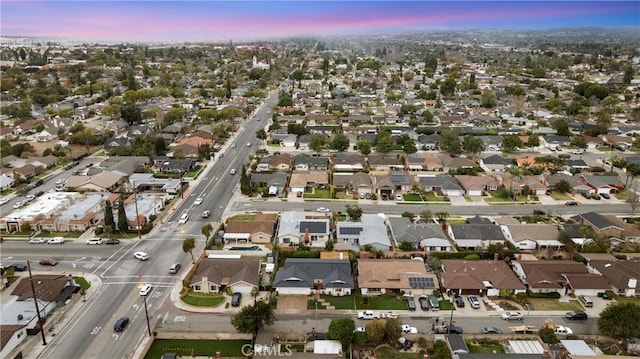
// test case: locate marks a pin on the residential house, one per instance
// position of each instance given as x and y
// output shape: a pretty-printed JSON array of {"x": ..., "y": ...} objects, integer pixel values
[
  {"x": 453, "y": 163},
  {"x": 281, "y": 162},
  {"x": 27, "y": 171},
  {"x": 516, "y": 184},
  {"x": 6, "y": 181},
  {"x": 577, "y": 186},
  {"x": 560, "y": 276},
  {"x": 477, "y": 185},
  {"x": 147, "y": 182},
  {"x": 263, "y": 164},
  {"x": 423, "y": 162},
  {"x": 401, "y": 181},
  {"x": 312, "y": 229},
  {"x": 275, "y": 183},
  {"x": 106, "y": 181},
  {"x": 11, "y": 338},
  {"x": 532, "y": 236},
  {"x": 302, "y": 182},
  {"x": 575, "y": 164},
  {"x": 603, "y": 184},
  {"x": 348, "y": 162},
  {"x": 428, "y": 237},
  {"x": 215, "y": 275},
  {"x": 358, "y": 182},
  {"x": 44, "y": 162},
  {"x": 178, "y": 166},
  {"x": 600, "y": 224},
  {"x": 370, "y": 230},
  {"x": 429, "y": 142},
  {"x": 482, "y": 277},
  {"x": 623, "y": 275},
  {"x": 115, "y": 143},
  {"x": 475, "y": 236},
  {"x": 576, "y": 232},
  {"x": 259, "y": 229},
  {"x": 383, "y": 186},
  {"x": 304, "y": 162},
  {"x": 388, "y": 163},
  {"x": 445, "y": 184},
  {"x": 630, "y": 231},
  {"x": 399, "y": 276},
  {"x": 495, "y": 163},
  {"x": 305, "y": 276}
]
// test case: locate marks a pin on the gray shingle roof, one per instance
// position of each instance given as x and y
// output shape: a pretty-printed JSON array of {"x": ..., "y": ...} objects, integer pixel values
[
  {"x": 303, "y": 272},
  {"x": 485, "y": 232}
]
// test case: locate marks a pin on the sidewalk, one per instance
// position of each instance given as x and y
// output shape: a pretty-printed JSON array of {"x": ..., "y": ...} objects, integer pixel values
[{"x": 69, "y": 314}]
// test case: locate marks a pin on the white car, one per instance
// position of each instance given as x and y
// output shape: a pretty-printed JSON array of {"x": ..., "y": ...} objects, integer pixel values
[
  {"x": 407, "y": 329},
  {"x": 56, "y": 240},
  {"x": 37, "y": 241},
  {"x": 30, "y": 197},
  {"x": 206, "y": 214},
  {"x": 360, "y": 330},
  {"x": 323, "y": 209},
  {"x": 512, "y": 316},
  {"x": 561, "y": 330},
  {"x": 368, "y": 314},
  {"x": 198, "y": 201},
  {"x": 96, "y": 241},
  {"x": 18, "y": 204},
  {"x": 61, "y": 181},
  {"x": 399, "y": 197},
  {"x": 578, "y": 151},
  {"x": 233, "y": 171},
  {"x": 145, "y": 289},
  {"x": 4, "y": 200},
  {"x": 390, "y": 315},
  {"x": 183, "y": 219},
  {"x": 59, "y": 188},
  {"x": 141, "y": 256}
]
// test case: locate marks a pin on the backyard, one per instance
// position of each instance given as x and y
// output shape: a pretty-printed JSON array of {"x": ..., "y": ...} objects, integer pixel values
[{"x": 186, "y": 348}]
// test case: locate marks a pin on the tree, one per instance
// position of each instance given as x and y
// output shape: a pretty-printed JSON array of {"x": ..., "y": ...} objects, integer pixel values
[
  {"x": 579, "y": 141},
  {"x": 261, "y": 134},
  {"x": 375, "y": 331},
  {"x": 123, "y": 224},
  {"x": 533, "y": 141},
  {"x": 442, "y": 218},
  {"x": 340, "y": 142},
  {"x": 108, "y": 215},
  {"x": 354, "y": 212},
  {"x": 563, "y": 186},
  {"x": 488, "y": 99},
  {"x": 131, "y": 113},
  {"x": 206, "y": 231},
  {"x": 405, "y": 246},
  {"x": 392, "y": 330},
  {"x": 384, "y": 144},
  {"x": 447, "y": 87},
  {"x": 510, "y": 143},
  {"x": 342, "y": 330},
  {"x": 548, "y": 336},
  {"x": 364, "y": 146},
  {"x": 409, "y": 147},
  {"x": 253, "y": 318},
  {"x": 245, "y": 182},
  {"x": 620, "y": 320},
  {"x": 628, "y": 75},
  {"x": 425, "y": 216},
  {"x": 633, "y": 198},
  {"x": 450, "y": 141},
  {"x": 188, "y": 244},
  {"x": 316, "y": 142},
  {"x": 473, "y": 144},
  {"x": 108, "y": 230}
]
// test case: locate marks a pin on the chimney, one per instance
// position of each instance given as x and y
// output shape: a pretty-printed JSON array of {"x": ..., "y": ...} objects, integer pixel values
[
  {"x": 306, "y": 235},
  {"x": 495, "y": 256}
]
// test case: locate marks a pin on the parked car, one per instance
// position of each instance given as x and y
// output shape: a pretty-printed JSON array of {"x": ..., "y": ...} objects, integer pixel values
[
  {"x": 473, "y": 300},
  {"x": 48, "y": 262},
  {"x": 175, "y": 267},
  {"x": 59, "y": 188},
  {"x": 424, "y": 303},
  {"x": 323, "y": 209},
  {"x": 96, "y": 241},
  {"x": 61, "y": 181},
  {"x": 235, "y": 299},
  {"x": 121, "y": 324},
  {"x": 571, "y": 203},
  {"x": 459, "y": 302},
  {"x": 578, "y": 151},
  {"x": 389, "y": 315},
  {"x": 4, "y": 200},
  {"x": 539, "y": 212},
  {"x": 37, "y": 241},
  {"x": 18, "y": 267},
  {"x": 39, "y": 193},
  {"x": 411, "y": 303},
  {"x": 56, "y": 240},
  {"x": 399, "y": 197},
  {"x": 407, "y": 329},
  {"x": 562, "y": 330},
  {"x": 112, "y": 241},
  {"x": 455, "y": 329},
  {"x": 491, "y": 330},
  {"x": 360, "y": 330},
  {"x": 605, "y": 195},
  {"x": 30, "y": 197},
  {"x": 576, "y": 315},
  {"x": 37, "y": 183},
  {"x": 141, "y": 256},
  {"x": 146, "y": 289},
  {"x": 512, "y": 316},
  {"x": 18, "y": 204},
  {"x": 368, "y": 314},
  {"x": 444, "y": 329}
]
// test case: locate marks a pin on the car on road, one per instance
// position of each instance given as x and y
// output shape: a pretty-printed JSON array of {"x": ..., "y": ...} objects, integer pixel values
[
  {"x": 59, "y": 188},
  {"x": 94, "y": 241},
  {"x": 4, "y": 200},
  {"x": 18, "y": 267},
  {"x": 539, "y": 212},
  {"x": 424, "y": 303},
  {"x": 198, "y": 201},
  {"x": 61, "y": 181},
  {"x": 491, "y": 330},
  {"x": 30, "y": 197},
  {"x": 233, "y": 145},
  {"x": 576, "y": 315},
  {"x": 368, "y": 314},
  {"x": 389, "y": 315},
  {"x": 37, "y": 241},
  {"x": 512, "y": 316},
  {"x": 141, "y": 256},
  {"x": 206, "y": 214},
  {"x": 248, "y": 144},
  {"x": 407, "y": 329},
  {"x": 571, "y": 203},
  {"x": 48, "y": 262},
  {"x": 18, "y": 204},
  {"x": 235, "y": 299},
  {"x": 444, "y": 329},
  {"x": 233, "y": 171},
  {"x": 56, "y": 240},
  {"x": 473, "y": 300},
  {"x": 562, "y": 330},
  {"x": 39, "y": 193},
  {"x": 146, "y": 289},
  {"x": 121, "y": 324},
  {"x": 578, "y": 151},
  {"x": 37, "y": 183},
  {"x": 323, "y": 209},
  {"x": 112, "y": 241},
  {"x": 175, "y": 267},
  {"x": 183, "y": 219}
]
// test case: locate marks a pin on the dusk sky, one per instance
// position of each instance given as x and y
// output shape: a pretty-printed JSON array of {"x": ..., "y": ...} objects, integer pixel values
[{"x": 170, "y": 21}]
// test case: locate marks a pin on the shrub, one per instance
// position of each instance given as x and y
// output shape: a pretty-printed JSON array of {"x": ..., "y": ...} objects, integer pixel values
[
  {"x": 99, "y": 230},
  {"x": 552, "y": 295}
]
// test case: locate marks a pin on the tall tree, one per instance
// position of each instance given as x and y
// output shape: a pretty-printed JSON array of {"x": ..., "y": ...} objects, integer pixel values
[
  {"x": 384, "y": 144},
  {"x": 473, "y": 145},
  {"x": 354, "y": 212},
  {"x": 450, "y": 141},
  {"x": 409, "y": 147},
  {"x": 533, "y": 141},
  {"x": 620, "y": 320},
  {"x": 108, "y": 215},
  {"x": 364, "y": 146},
  {"x": 340, "y": 142},
  {"x": 206, "y": 231},
  {"x": 253, "y": 318},
  {"x": 188, "y": 245},
  {"x": 510, "y": 143},
  {"x": 375, "y": 331},
  {"x": 131, "y": 113},
  {"x": 316, "y": 142},
  {"x": 392, "y": 330},
  {"x": 123, "y": 224},
  {"x": 342, "y": 330},
  {"x": 245, "y": 182}
]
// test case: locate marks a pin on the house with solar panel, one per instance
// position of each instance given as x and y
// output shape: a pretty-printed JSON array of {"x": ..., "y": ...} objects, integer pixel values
[
  {"x": 399, "y": 276},
  {"x": 311, "y": 229},
  {"x": 369, "y": 230}
]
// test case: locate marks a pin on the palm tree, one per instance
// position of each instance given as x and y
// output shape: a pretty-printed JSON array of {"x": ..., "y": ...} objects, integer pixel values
[
  {"x": 188, "y": 244},
  {"x": 442, "y": 218},
  {"x": 206, "y": 231}
]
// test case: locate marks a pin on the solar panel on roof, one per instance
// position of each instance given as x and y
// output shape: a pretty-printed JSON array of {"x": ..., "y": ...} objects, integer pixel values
[
  {"x": 421, "y": 282},
  {"x": 350, "y": 230},
  {"x": 313, "y": 227}
]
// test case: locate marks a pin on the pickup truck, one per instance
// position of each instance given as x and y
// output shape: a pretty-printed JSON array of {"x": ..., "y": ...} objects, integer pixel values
[
  {"x": 368, "y": 314},
  {"x": 560, "y": 330}
]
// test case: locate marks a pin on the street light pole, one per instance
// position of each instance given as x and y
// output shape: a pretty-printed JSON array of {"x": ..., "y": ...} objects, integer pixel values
[
  {"x": 146, "y": 313},
  {"x": 315, "y": 328},
  {"x": 35, "y": 301},
  {"x": 450, "y": 318},
  {"x": 135, "y": 198}
]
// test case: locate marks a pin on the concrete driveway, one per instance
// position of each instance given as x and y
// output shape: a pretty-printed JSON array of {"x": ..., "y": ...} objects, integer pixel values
[{"x": 292, "y": 302}]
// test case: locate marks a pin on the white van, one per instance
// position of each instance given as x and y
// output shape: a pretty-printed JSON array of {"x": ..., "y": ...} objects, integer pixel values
[
  {"x": 586, "y": 301},
  {"x": 96, "y": 241}
]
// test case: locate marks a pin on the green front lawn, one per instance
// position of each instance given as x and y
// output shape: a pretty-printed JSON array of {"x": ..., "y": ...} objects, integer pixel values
[
  {"x": 388, "y": 353},
  {"x": 82, "y": 283},
  {"x": 195, "y": 172},
  {"x": 60, "y": 234},
  {"x": 318, "y": 193},
  {"x": 412, "y": 197},
  {"x": 185, "y": 348},
  {"x": 383, "y": 302},
  {"x": 203, "y": 300},
  {"x": 621, "y": 195},
  {"x": 485, "y": 346},
  {"x": 245, "y": 217},
  {"x": 446, "y": 305}
]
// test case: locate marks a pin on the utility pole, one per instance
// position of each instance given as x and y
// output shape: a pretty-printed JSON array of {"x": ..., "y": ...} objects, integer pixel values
[
  {"x": 146, "y": 312},
  {"x": 35, "y": 300},
  {"x": 135, "y": 198}
]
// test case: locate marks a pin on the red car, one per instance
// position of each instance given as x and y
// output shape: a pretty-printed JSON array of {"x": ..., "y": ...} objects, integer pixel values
[{"x": 48, "y": 262}]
